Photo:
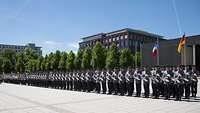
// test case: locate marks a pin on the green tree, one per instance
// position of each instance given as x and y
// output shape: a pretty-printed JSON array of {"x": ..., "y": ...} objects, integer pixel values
[
  {"x": 20, "y": 63},
  {"x": 112, "y": 58},
  {"x": 70, "y": 61},
  {"x": 137, "y": 59},
  {"x": 125, "y": 59},
  {"x": 30, "y": 54},
  {"x": 49, "y": 62},
  {"x": 78, "y": 59},
  {"x": 9, "y": 54},
  {"x": 31, "y": 57},
  {"x": 39, "y": 63},
  {"x": 86, "y": 60},
  {"x": 55, "y": 60},
  {"x": 98, "y": 56},
  {"x": 7, "y": 65},
  {"x": 62, "y": 61},
  {"x": 1, "y": 63},
  {"x": 43, "y": 64}
]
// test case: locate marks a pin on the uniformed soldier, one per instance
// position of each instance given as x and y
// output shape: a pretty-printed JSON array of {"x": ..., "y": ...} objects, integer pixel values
[
  {"x": 146, "y": 82},
  {"x": 110, "y": 82},
  {"x": 129, "y": 82},
  {"x": 194, "y": 83},
  {"x": 103, "y": 76},
  {"x": 138, "y": 82},
  {"x": 115, "y": 82}
]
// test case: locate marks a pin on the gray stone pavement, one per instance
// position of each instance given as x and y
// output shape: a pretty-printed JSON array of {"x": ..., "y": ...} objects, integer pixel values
[{"x": 28, "y": 99}]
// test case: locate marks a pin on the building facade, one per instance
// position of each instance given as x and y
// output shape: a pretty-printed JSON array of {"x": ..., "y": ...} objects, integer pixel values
[
  {"x": 124, "y": 38},
  {"x": 20, "y": 48},
  {"x": 168, "y": 55}
]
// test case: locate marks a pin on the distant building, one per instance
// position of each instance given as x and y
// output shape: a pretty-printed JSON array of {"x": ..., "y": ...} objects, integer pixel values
[
  {"x": 20, "y": 48},
  {"x": 124, "y": 38},
  {"x": 168, "y": 55},
  {"x": 143, "y": 42}
]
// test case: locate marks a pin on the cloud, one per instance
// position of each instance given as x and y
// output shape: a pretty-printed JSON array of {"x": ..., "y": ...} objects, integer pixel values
[
  {"x": 51, "y": 46},
  {"x": 73, "y": 45},
  {"x": 53, "y": 43}
]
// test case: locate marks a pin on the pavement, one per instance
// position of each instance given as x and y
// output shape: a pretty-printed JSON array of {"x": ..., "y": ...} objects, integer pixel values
[{"x": 28, "y": 99}]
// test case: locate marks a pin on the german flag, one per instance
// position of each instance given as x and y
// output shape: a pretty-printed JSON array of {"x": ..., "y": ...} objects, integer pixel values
[{"x": 181, "y": 43}]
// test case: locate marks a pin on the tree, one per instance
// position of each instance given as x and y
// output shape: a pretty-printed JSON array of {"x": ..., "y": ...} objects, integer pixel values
[
  {"x": 62, "y": 61},
  {"x": 30, "y": 54},
  {"x": 78, "y": 59},
  {"x": 1, "y": 63},
  {"x": 70, "y": 61},
  {"x": 112, "y": 58},
  {"x": 49, "y": 62},
  {"x": 43, "y": 64},
  {"x": 55, "y": 60},
  {"x": 9, "y": 54},
  {"x": 20, "y": 63},
  {"x": 98, "y": 56},
  {"x": 39, "y": 63},
  {"x": 137, "y": 59},
  {"x": 86, "y": 60},
  {"x": 125, "y": 59},
  {"x": 7, "y": 65},
  {"x": 30, "y": 59}
]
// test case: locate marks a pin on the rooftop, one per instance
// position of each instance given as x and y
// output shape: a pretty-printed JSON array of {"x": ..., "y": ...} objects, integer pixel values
[{"x": 100, "y": 35}]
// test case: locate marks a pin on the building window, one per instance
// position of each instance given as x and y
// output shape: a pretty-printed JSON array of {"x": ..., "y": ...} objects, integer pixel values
[
  {"x": 109, "y": 39},
  {"x": 117, "y": 38},
  {"x": 122, "y": 43},
  {"x": 126, "y": 36},
  {"x": 130, "y": 42},
  {"x": 113, "y": 39},
  {"x": 126, "y": 43},
  {"x": 121, "y": 37}
]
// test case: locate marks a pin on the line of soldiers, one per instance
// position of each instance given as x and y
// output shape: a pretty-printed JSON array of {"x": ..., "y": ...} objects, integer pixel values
[{"x": 165, "y": 82}]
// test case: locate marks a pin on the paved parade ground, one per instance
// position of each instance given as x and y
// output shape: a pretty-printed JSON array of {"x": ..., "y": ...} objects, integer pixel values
[{"x": 28, "y": 99}]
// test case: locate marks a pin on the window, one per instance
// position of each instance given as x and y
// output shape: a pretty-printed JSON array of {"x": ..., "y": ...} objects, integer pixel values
[
  {"x": 122, "y": 43},
  {"x": 117, "y": 38},
  {"x": 126, "y": 36},
  {"x": 130, "y": 42},
  {"x": 126, "y": 43},
  {"x": 121, "y": 37},
  {"x": 113, "y": 39},
  {"x": 109, "y": 39}
]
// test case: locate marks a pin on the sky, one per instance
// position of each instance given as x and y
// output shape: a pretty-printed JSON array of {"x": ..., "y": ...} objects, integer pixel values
[{"x": 60, "y": 24}]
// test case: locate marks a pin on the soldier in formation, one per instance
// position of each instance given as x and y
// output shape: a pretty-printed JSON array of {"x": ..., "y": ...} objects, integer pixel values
[{"x": 164, "y": 82}]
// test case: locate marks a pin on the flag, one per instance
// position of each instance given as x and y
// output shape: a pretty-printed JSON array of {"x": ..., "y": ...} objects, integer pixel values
[
  {"x": 155, "y": 50},
  {"x": 181, "y": 43}
]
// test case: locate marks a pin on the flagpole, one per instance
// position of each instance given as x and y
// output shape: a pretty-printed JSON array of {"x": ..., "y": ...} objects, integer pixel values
[
  {"x": 141, "y": 54},
  {"x": 158, "y": 62}
]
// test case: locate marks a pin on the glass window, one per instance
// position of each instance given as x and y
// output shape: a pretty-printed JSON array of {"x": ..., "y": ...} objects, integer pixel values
[
  {"x": 126, "y": 43},
  {"x": 109, "y": 39},
  {"x": 117, "y": 38},
  {"x": 113, "y": 39},
  {"x": 122, "y": 43},
  {"x": 126, "y": 36},
  {"x": 121, "y": 37},
  {"x": 130, "y": 42}
]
